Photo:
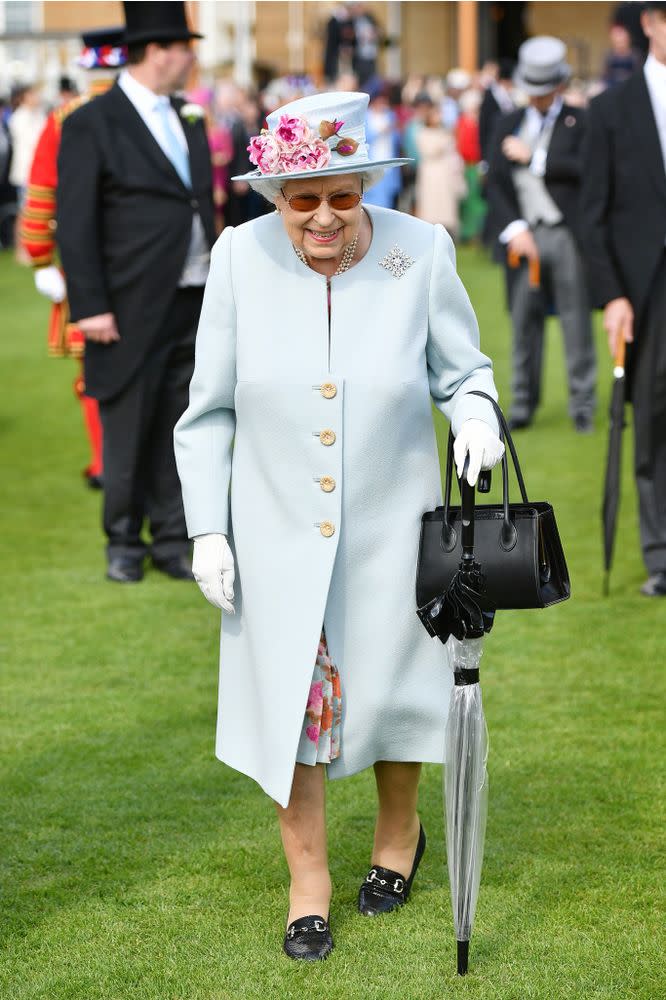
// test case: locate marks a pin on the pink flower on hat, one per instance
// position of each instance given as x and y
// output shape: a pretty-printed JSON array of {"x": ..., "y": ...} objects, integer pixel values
[
  {"x": 292, "y": 131},
  {"x": 292, "y": 148},
  {"x": 265, "y": 152},
  {"x": 313, "y": 155}
]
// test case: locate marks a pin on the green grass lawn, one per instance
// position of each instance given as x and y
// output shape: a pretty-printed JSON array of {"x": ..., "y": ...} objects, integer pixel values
[{"x": 137, "y": 866}]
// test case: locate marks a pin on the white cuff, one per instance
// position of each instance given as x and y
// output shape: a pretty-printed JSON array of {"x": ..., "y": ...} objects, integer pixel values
[{"x": 518, "y": 226}]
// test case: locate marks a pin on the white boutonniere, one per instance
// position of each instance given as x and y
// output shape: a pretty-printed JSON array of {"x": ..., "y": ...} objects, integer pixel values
[{"x": 192, "y": 112}]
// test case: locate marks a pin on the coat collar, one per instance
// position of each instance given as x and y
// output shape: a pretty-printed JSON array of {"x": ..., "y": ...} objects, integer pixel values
[{"x": 639, "y": 116}]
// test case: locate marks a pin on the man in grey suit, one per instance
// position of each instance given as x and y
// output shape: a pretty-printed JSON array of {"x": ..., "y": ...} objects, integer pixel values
[{"x": 533, "y": 195}]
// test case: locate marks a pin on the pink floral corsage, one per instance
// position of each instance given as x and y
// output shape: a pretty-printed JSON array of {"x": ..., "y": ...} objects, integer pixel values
[{"x": 293, "y": 147}]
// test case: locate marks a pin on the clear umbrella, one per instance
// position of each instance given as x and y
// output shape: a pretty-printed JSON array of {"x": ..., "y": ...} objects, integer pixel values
[
  {"x": 465, "y": 789},
  {"x": 460, "y": 618}
]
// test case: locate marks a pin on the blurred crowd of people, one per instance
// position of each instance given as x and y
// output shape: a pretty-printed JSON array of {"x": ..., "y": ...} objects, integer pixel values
[{"x": 443, "y": 123}]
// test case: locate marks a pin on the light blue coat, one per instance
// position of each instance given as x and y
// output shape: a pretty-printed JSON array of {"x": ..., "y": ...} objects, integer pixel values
[{"x": 255, "y": 414}]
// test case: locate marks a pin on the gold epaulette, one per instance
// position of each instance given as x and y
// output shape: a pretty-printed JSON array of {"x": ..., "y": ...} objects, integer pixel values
[{"x": 76, "y": 102}]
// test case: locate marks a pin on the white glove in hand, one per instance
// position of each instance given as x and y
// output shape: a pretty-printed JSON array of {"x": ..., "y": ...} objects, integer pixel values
[
  {"x": 213, "y": 569},
  {"x": 484, "y": 447},
  {"x": 50, "y": 282}
]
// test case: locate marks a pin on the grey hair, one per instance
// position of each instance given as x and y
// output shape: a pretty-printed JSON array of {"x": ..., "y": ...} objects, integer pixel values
[{"x": 271, "y": 189}]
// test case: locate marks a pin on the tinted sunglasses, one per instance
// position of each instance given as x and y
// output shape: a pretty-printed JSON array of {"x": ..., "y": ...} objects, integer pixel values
[{"x": 341, "y": 201}]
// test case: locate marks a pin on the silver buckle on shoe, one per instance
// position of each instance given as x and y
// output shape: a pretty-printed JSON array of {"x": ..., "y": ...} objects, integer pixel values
[
  {"x": 320, "y": 925},
  {"x": 373, "y": 877},
  {"x": 398, "y": 885}
]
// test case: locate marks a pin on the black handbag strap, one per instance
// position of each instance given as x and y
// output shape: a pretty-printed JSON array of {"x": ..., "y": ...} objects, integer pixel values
[{"x": 505, "y": 436}]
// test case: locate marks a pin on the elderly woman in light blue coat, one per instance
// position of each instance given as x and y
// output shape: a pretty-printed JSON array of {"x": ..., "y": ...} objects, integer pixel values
[{"x": 307, "y": 457}]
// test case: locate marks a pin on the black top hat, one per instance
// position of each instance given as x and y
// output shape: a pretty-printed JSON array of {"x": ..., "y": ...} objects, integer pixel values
[
  {"x": 156, "y": 22},
  {"x": 98, "y": 37}
]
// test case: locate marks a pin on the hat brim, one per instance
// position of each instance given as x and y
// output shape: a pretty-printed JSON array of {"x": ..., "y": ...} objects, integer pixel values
[
  {"x": 345, "y": 168},
  {"x": 541, "y": 89},
  {"x": 144, "y": 37}
]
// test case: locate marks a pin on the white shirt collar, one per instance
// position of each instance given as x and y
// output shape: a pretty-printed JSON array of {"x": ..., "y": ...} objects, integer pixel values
[
  {"x": 655, "y": 74},
  {"x": 144, "y": 100},
  {"x": 553, "y": 110}
]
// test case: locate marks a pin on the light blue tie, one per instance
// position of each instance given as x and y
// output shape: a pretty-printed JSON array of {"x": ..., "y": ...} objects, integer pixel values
[{"x": 174, "y": 150}]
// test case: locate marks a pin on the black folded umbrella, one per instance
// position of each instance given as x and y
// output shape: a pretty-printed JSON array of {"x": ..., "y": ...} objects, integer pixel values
[
  {"x": 463, "y": 610},
  {"x": 611, "y": 500}
]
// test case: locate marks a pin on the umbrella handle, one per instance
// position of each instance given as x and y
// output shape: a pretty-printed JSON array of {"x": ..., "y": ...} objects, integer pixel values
[
  {"x": 533, "y": 268},
  {"x": 620, "y": 352},
  {"x": 467, "y": 513}
]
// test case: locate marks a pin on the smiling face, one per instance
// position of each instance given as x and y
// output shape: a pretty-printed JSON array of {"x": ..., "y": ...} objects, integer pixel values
[{"x": 324, "y": 232}]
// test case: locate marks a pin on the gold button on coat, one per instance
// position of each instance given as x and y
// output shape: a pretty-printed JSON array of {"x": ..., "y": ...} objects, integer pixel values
[
  {"x": 329, "y": 390},
  {"x": 327, "y": 529},
  {"x": 327, "y": 437},
  {"x": 327, "y": 484}
]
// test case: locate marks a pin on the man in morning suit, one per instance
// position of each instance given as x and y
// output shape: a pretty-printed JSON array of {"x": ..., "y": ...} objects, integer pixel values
[
  {"x": 624, "y": 212},
  {"x": 135, "y": 228},
  {"x": 533, "y": 192}
]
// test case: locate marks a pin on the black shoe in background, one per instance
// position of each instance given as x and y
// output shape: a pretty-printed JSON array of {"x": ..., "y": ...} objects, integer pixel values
[
  {"x": 583, "y": 424},
  {"x": 519, "y": 423},
  {"x": 125, "y": 570},
  {"x": 177, "y": 567},
  {"x": 655, "y": 585}
]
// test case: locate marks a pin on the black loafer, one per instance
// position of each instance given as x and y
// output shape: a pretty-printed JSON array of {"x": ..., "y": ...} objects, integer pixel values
[
  {"x": 308, "y": 939},
  {"x": 384, "y": 889},
  {"x": 125, "y": 570},
  {"x": 177, "y": 567}
]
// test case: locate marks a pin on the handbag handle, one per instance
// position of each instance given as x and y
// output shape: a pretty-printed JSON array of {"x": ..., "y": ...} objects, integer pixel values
[{"x": 508, "y": 535}]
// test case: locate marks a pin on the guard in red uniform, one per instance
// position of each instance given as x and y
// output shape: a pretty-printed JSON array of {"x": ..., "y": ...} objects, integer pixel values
[{"x": 103, "y": 52}]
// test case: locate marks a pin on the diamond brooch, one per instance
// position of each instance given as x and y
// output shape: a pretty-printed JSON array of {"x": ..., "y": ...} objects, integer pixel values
[{"x": 397, "y": 261}]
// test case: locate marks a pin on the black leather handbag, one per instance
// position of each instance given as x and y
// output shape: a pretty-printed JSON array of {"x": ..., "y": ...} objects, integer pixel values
[{"x": 516, "y": 544}]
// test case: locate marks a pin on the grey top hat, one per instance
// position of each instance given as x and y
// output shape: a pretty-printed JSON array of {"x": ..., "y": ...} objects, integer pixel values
[{"x": 542, "y": 65}]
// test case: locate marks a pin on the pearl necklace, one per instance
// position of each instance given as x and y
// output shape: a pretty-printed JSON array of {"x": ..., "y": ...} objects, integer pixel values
[{"x": 345, "y": 262}]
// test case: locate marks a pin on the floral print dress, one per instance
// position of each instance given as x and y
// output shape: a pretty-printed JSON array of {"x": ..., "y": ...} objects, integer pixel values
[{"x": 320, "y": 736}]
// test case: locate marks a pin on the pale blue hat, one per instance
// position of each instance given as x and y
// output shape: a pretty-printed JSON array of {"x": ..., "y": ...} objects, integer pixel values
[{"x": 348, "y": 108}]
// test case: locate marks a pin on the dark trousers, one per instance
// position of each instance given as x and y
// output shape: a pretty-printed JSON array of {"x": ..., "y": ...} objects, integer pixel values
[
  {"x": 562, "y": 276},
  {"x": 140, "y": 477},
  {"x": 648, "y": 394}
]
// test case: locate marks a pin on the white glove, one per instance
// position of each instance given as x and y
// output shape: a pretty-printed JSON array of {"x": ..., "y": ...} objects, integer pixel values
[
  {"x": 484, "y": 447},
  {"x": 50, "y": 282},
  {"x": 213, "y": 569}
]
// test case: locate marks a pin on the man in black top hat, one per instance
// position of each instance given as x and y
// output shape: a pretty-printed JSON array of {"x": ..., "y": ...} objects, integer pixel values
[
  {"x": 624, "y": 215},
  {"x": 135, "y": 227}
]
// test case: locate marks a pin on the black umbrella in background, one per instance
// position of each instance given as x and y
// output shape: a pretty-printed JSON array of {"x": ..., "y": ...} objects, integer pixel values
[{"x": 611, "y": 501}]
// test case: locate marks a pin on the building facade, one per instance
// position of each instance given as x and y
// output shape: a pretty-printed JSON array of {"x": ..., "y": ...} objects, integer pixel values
[{"x": 39, "y": 40}]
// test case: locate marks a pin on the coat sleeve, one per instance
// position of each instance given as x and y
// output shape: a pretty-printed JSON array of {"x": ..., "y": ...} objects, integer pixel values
[
  {"x": 204, "y": 434},
  {"x": 79, "y": 233},
  {"x": 596, "y": 196},
  {"x": 455, "y": 363}
]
